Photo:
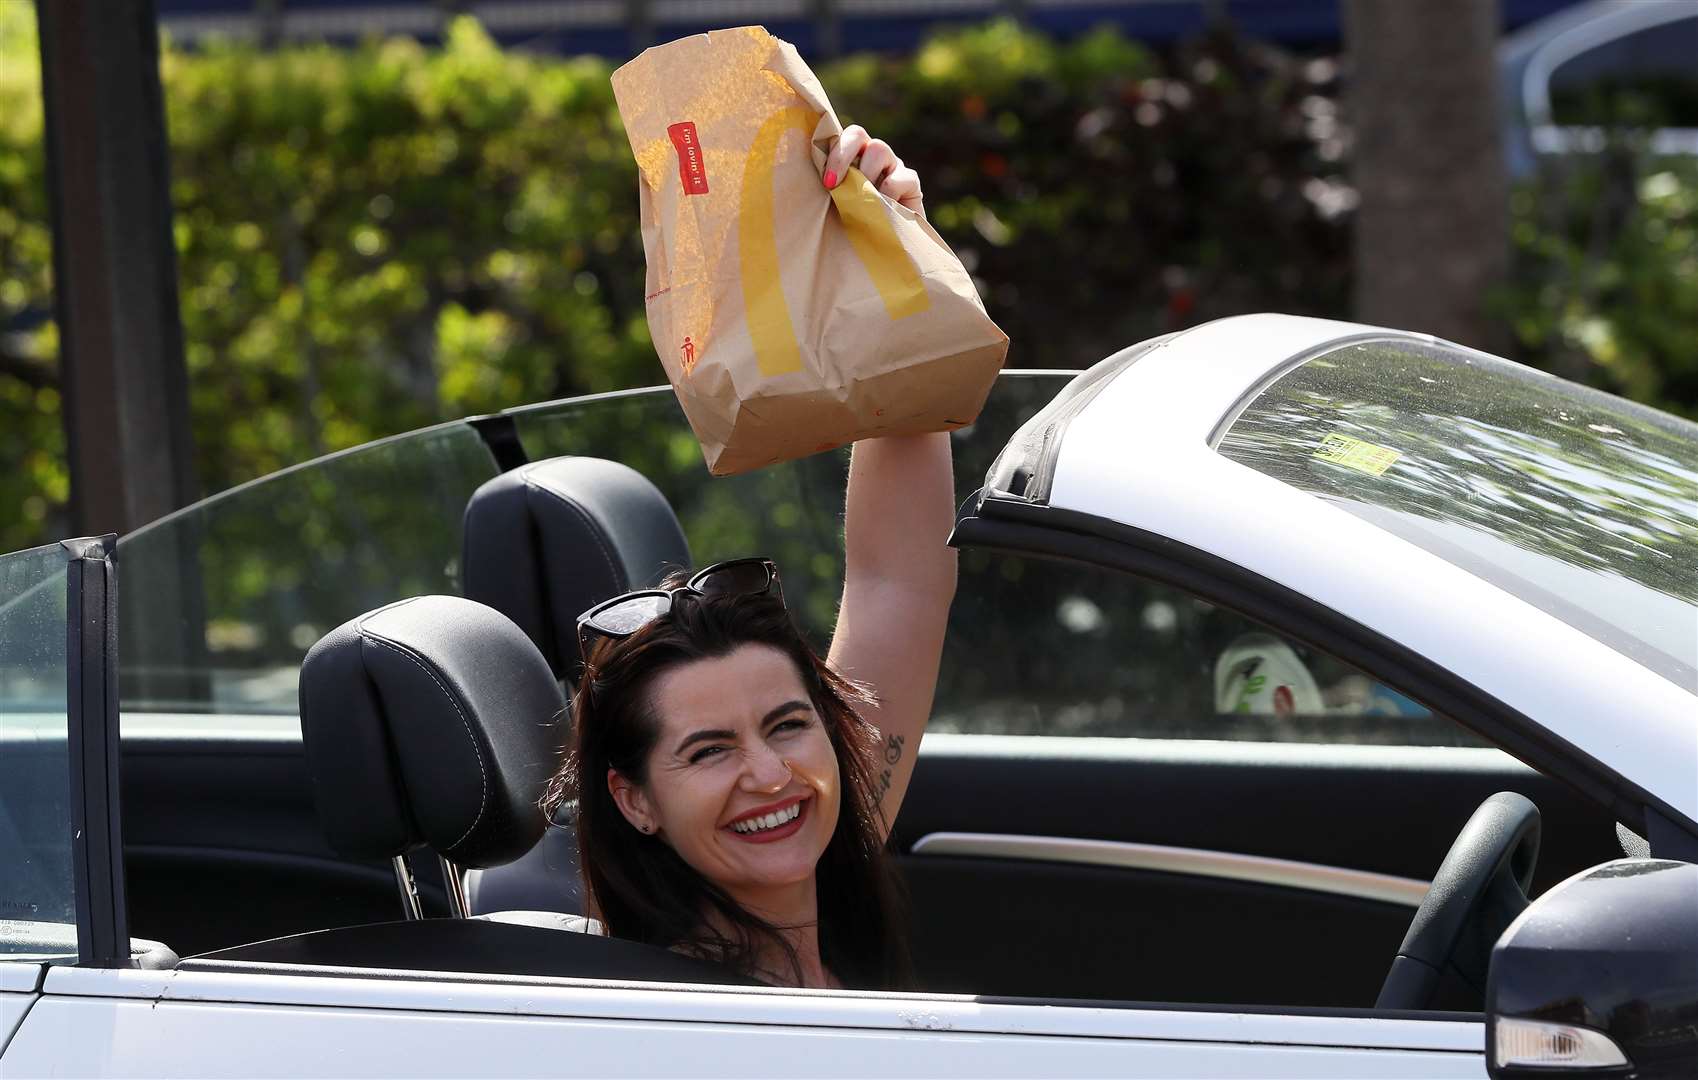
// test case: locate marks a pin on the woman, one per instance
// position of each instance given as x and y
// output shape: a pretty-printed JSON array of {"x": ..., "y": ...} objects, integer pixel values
[{"x": 734, "y": 790}]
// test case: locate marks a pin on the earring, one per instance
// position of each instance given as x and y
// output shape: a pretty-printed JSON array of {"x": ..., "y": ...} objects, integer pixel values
[{"x": 646, "y": 828}]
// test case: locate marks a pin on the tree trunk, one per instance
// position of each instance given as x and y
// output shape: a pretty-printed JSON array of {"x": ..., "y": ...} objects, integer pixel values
[
  {"x": 114, "y": 264},
  {"x": 1432, "y": 227},
  {"x": 126, "y": 395}
]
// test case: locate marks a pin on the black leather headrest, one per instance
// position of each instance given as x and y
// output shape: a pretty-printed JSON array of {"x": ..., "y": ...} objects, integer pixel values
[
  {"x": 431, "y": 721},
  {"x": 547, "y": 540}
]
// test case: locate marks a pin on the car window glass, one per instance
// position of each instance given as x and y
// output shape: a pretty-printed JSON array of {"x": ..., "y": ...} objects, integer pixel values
[
  {"x": 1041, "y": 647},
  {"x": 222, "y": 600},
  {"x": 37, "y": 897},
  {"x": 1579, "y": 503}
]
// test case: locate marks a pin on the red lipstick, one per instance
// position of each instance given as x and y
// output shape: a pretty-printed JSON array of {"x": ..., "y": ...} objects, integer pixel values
[{"x": 780, "y": 832}]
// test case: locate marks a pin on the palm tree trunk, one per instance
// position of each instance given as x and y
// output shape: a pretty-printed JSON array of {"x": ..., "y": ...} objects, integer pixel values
[{"x": 1432, "y": 227}]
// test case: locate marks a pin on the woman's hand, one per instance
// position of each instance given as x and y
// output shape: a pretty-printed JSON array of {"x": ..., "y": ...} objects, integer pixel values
[{"x": 878, "y": 163}]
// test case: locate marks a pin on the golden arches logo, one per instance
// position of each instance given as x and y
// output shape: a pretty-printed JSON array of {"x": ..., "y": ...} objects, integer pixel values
[{"x": 865, "y": 220}]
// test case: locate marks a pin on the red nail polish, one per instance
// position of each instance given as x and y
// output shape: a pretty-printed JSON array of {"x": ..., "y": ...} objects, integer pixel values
[{"x": 830, "y": 179}]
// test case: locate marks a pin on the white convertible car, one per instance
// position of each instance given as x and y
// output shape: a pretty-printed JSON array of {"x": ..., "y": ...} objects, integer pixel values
[{"x": 1319, "y": 701}]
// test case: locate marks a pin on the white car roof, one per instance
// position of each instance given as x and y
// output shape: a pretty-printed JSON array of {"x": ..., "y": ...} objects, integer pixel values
[{"x": 1138, "y": 451}]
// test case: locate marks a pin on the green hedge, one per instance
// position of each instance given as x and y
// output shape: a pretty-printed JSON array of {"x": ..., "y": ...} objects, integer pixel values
[
  {"x": 373, "y": 239},
  {"x": 34, "y": 483},
  {"x": 1606, "y": 282}
]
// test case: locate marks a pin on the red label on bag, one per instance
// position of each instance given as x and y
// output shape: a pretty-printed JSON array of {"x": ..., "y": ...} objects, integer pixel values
[{"x": 691, "y": 169}]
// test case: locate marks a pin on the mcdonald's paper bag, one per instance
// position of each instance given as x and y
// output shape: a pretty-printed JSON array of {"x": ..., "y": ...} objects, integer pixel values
[{"x": 790, "y": 319}]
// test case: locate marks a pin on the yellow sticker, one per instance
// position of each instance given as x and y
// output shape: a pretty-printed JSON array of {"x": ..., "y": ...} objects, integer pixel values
[{"x": 1356, "y": 454}]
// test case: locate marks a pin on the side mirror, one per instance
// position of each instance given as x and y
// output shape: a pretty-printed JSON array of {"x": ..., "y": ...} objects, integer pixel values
[{"x": 1600, "y": 975}]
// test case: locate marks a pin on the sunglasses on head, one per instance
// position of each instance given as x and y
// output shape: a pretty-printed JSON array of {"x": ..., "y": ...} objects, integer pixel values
[{"x": 623, "y": 616}]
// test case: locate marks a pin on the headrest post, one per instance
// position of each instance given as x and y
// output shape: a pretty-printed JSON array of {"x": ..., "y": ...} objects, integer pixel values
[
  {"x": 456, "y": 886},
  {"x": 409, "y": 891}
]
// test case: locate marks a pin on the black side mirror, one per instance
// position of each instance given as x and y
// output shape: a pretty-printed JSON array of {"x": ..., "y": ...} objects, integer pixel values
[{"x": 1600, "y": 975}]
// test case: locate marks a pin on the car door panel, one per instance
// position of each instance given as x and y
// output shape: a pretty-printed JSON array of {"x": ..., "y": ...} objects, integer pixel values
[
  {"x": 223, "y": 846},
  {"x": 1390, "y": 809},
  {"x": 1122, "y": 932},
  {"x": 1056, "y": 930}
]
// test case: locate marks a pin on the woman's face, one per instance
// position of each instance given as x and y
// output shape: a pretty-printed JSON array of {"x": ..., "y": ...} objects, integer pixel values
[{"x": 742, "y": 781}]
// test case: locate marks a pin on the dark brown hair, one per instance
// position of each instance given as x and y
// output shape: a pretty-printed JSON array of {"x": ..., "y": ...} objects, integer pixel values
[{"x": 639, "y": 887}]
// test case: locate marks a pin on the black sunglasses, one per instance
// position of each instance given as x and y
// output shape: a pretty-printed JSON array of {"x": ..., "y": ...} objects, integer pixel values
[{"x": 624, "y": 615}]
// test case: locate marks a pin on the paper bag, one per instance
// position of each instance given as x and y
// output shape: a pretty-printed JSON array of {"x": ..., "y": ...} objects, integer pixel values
[{"x": 789, "y": 319}]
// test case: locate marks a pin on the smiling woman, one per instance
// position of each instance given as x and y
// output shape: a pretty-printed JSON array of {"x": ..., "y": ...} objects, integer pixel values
[
  {"x": 734, "y": 789},
  {"x": 726, "y": 804}
]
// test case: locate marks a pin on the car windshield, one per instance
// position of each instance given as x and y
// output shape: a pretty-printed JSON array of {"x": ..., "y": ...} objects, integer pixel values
[{"x": 1579, "y": 503}]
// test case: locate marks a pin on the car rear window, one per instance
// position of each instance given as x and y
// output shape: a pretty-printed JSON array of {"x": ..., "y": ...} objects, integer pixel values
[{"x": 1579, "y": 503}]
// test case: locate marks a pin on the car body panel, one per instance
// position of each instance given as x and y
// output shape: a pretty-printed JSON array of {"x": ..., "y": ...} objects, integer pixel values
[
  {"x": 1139, "y": 454},
  {"x": 215, "y": 1040},
  {"x": 20, "y": 980},
  {"x": 20, "y": 976},
  {"x": 13, "y": 1009},
  {"x": 189, "y": 1023}
]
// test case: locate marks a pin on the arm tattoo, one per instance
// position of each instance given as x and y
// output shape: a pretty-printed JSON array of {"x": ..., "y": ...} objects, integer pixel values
[
  {"x": 893, "y": 749},
  {"x": 892, "y": 754}
]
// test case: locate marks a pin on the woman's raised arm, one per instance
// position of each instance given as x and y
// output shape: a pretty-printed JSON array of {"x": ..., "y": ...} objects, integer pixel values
[
  {"x": 899, "y": 576},
  {"x": 898, "y": 582}
]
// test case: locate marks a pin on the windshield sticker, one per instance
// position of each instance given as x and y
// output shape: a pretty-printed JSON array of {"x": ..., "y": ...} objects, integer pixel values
[{"x": 1356, "y": 454}]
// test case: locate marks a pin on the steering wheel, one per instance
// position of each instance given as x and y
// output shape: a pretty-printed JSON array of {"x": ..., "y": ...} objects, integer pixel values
[{"x": 1480, "y": 888}]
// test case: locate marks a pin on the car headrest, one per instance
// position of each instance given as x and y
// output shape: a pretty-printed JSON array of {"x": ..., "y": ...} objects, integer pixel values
[
  {"x": 431, "y": 721},
  {"x": 545, "y": 541}
]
